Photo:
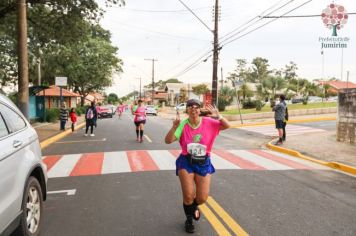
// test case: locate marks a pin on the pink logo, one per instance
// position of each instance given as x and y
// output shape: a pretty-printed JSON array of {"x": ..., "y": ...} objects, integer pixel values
[{"x": 334, "y": 17}]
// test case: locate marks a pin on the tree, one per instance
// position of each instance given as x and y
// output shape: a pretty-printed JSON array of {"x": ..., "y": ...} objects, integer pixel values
[
  {"x": 161, "y": 84},
  {"x": 244, "y": 92},
  {"x": 44, "y": 19},
  {"x": 260, "y": 70},
  {"x": 112, "y": 98},
  {"x": 200, "y": 89},
  {"x": 273, "y": 84},
  {"x": 88, "y": 64},
  {"x": 290, "y": 71},
  {"x": 225, "y": 98},
  {"x": 183, "y": 95}
]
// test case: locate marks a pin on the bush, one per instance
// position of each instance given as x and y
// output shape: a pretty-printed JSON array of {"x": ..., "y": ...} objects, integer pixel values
[
  {"x": 79, "y": 110},
  {"x": 259, "y": 105},
  {"x": 52, "y": 114}
]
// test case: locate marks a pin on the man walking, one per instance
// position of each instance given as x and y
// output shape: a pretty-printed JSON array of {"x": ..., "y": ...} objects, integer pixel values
[
  {"x": 279, "y": 116},
  {"x": 63, "y": 116}
]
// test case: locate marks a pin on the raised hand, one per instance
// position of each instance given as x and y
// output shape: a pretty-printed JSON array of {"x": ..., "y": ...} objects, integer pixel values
[{"x": 213, "y": 111}]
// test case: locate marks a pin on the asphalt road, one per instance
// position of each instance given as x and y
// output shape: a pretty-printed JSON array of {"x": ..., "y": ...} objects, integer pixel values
[{"x": 285, "y": 201}]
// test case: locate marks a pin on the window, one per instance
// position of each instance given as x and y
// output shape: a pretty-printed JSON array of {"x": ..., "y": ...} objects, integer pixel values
[
  {"x": 3, "y": 128},
  {"x": 12, "y": 119}
]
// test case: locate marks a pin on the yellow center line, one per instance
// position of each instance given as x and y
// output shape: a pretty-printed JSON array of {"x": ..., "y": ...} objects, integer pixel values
[
  {"x": 148, "y": 139},
  {"x": 235, "y": 227},
  {"x": 217, "y": 225}
]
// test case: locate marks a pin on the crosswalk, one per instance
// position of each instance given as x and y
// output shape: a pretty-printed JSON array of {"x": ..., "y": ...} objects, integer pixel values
[
  {"x": 154, "y": 160},
  {"x": 291, "y": 130}
]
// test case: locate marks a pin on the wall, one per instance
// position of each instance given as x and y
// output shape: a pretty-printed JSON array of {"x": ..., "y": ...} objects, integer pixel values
[{"x": 346, "y": 123}]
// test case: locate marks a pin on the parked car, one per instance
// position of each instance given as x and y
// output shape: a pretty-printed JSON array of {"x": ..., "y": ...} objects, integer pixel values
[
  {"x": 112, "y": 108},
  {"x": 23, "y": 178},
  {"x": 151, "y": 109},
  {"x": 312, "y": 99},
  {"x": 181, "y": 107},
  {"x": 296, "y": 100},
  {"x": 104, "y": 112}
]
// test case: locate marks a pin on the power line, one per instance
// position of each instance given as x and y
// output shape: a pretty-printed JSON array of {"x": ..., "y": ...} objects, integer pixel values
[
  {"x": 195, "y": 15},
  {"x": 249, "y": 21},
  {"x": 248, "y": 26},
  {"x": 266, "y": 23},
  {"x": 300, "y": 16},
  {"x": 160, "y": 11}
]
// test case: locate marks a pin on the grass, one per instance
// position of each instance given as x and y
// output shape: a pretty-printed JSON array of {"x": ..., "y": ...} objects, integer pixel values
[{"x": 298, "y": 106}]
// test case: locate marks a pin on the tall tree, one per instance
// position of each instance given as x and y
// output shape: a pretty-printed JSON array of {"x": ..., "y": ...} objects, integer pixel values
[
  {"x": 200, "y": 89},
  {"x": 290, "y": 71},
  {"x": 260, "y": 70},
  {"x": 44, "y": 19}
]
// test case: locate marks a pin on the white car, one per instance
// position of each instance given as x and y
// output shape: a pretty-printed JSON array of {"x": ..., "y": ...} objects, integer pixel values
[
  {"x": 150, "y": 109},
  {"x": 23, "y": 178},
  {"x": 181, "y": 107}
]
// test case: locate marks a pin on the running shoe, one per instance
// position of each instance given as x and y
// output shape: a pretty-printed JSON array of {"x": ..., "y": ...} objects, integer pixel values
[
  {"x": 278, "y": 143},
  {"x": 92, "y": 135},
  {"x": 141, "y": 140},
  {"x": 189, "y": 227},
  {"x": 85, "y": 135}
]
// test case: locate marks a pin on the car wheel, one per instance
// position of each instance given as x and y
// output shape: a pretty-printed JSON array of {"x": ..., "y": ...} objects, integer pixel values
[{"x": 32, "y": 209}]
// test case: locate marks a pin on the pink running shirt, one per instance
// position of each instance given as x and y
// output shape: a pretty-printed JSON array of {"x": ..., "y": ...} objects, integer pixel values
[
  {"x": 205, "y": 133},
  {"x": 140, "y": 114}
]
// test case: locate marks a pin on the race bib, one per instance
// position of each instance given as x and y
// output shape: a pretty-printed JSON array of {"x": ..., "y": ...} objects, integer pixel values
[
  {"x": 196, "y": 149},
  {"x": 141, "y": 118}
]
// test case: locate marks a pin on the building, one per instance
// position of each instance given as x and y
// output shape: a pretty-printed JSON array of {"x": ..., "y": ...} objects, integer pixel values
[
  {"x": 52, "y": 99},
  {"x": 94, "y": 96},
  {"x": 337, "y": 85}
]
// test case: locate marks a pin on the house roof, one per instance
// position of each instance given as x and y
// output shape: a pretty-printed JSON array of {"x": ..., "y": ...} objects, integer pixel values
[
  {"x": 54, "y": 91},
  {"x": 177, "y": 86},
  {"x": 339, "y": 84}
]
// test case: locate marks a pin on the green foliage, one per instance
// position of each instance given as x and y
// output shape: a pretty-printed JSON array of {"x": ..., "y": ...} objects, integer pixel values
[
  {"x": 244, "y": 92},
  {"x": 112, "y": 98},
  {"x": 76, "y": 19},
  {"x": 260, "y": 70},
  {"x": 225, "y": 98},
  {"x": 183, "y": 95},
  {"x": 259, "y": 105},
  {"x": 52, "y": 114},
  {"x": 248, "y": 104},
  {"x": 200, "y": 89}
]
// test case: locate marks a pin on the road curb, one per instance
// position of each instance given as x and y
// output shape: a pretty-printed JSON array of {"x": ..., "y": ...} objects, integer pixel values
[
  {"x": 290, "y": 121},
  {"x": 59, "y": 136},
  {"x": 335, "y": 165}
]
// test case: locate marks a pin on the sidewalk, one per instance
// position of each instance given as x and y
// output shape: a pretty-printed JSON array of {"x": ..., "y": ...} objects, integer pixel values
[{"x": 48, "y": 130}]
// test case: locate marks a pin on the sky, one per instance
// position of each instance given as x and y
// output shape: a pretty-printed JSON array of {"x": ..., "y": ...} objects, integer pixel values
[{"x": 166, "y": 31}]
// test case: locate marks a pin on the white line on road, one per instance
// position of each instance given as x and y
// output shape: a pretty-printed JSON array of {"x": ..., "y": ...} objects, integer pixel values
[
  {"x": 69, "y": 192},
  {"x": 148, "y": 139},
  {"x": 84, "y": 141}
]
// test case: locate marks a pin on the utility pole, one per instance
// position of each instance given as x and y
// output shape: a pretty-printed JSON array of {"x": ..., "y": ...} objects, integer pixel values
[
  {"x": 222, "y": 78},
  {"x": 215, "y": 55},
  {"x": 23, "y": 95},
  {"x": 153, "y": 76}
]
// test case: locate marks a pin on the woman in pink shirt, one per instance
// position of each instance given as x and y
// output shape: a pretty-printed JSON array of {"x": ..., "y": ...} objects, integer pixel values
[
  {"x": 140, "y": 120},
  {"x": 196, "y": 137}
]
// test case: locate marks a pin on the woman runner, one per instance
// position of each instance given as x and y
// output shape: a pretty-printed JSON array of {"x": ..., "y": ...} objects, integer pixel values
[
  {"x": 196, "y": 136},
  {"x": 140, "y": 120}
]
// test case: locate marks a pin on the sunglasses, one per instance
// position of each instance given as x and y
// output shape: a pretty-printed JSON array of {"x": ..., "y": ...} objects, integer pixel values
[{"x": 194, "y": 107}]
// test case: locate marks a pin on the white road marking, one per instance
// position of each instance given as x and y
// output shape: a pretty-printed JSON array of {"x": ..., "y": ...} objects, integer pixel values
[
  {"x": 115, "y": 162},
  {"x": 259, "y": 160},
  {"x": 64, "y": 166},
  {"x": 69, "y": 192},
  {"x": 163, "y": 159},
  {"x": 148, "y": 139}
]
